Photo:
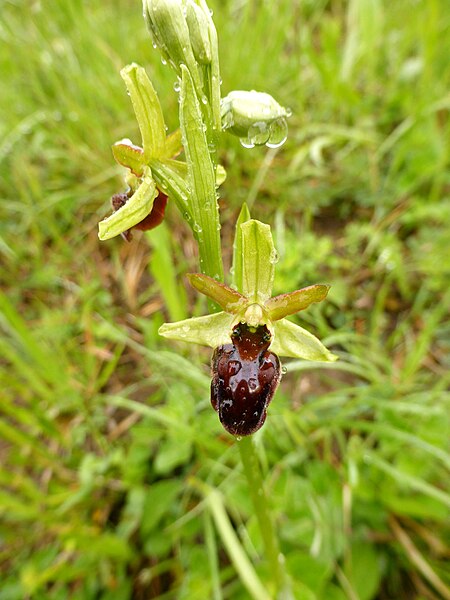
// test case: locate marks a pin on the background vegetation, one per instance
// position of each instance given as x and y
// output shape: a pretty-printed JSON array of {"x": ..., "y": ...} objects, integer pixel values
[{"x": 107, "y": 437}]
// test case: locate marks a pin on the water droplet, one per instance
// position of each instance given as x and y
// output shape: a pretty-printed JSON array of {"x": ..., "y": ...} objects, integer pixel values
[
  {"x": 198, "y": 227},
  {"x": 177, "y": 86},
  {"x": 246, "y": 143},
  {"x": 228, "y": 120},
  {"x": 238, "y": 438},
  {"x": 278, "y": 133},
  {"x": 164, "y": 185},
  {"x": 284, "y": 370},
  {"x": 259, "y": 133},
  {"x": 163, "y": 60},
  {"x": 204, "y": 99},
  {"x": 288, "y": 112},
  {"x": 273, "y": 258},
  {"x": 155, "y": 45}
]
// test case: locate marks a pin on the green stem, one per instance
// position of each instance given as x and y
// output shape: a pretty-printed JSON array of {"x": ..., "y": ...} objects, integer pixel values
[{"x": 252, "y": 471}]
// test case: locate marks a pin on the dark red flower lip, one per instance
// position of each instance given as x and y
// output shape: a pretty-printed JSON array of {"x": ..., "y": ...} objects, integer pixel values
[{"x": 245, "y": 376}]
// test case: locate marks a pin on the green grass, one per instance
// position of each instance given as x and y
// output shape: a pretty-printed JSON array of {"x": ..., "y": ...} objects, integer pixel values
[{"x": 116, "y": 479}]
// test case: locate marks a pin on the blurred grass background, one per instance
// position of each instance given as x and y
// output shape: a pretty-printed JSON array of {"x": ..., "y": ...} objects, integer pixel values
[{"x": 107, "y": 437}]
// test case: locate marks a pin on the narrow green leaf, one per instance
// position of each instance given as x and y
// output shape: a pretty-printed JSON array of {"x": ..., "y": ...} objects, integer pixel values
[
  {"x": 234, "y": 548},
  {"x": 281, "y": 306},
  {"x": 130, "y": 156},
  {"x": 408, "y": 480},
  {"x": 201, "y": 178},
  {"x": 163, "y": 270},
  {"x": 294, "y": 341},
  {"x": 134, "y": 211},
  {"x": 209, "y": 330},
  {"x": 258, "y": 261},
  {"x": 147, "y": 109},
  {"x": 228, "y": 299}
]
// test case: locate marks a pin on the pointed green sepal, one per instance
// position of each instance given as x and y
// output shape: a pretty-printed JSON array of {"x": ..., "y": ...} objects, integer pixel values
[
  {"x": 210, "y": 330},
  {"x": 228, "y": 299},
  {"x": 293, "y": 341},
  {"x": 172, "y": 145},
  {"x": 281, "y": 306},
  {"x": 244, "y": 216},
  {"x": 147, "y": 109},
  {"x": 258, "y": 261},
  {"x": 133, "y": 212},
  {"x": 130, "y": 156}
]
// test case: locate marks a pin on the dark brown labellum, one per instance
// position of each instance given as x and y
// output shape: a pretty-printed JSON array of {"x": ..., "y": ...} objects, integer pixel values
[{"x": 245, "y": 376}]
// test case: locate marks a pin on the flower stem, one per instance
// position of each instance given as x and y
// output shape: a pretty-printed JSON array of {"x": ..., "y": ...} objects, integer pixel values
[{"x": 252, "y": 471}]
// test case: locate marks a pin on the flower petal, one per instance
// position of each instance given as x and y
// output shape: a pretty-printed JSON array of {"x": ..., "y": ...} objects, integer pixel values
[
  {"x": 228, "y": 299},
  {"x": 134, "y": 211},
  {"x": 281, "y": 306},
  {"x": 294, "y": 341},
  {"x": 147, "y": 109},
  {"x": 210, "y": 330}
]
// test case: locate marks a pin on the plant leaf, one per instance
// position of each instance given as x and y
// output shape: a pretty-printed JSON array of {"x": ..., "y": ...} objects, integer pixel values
[
  {"x": 133, "y": 212},
  {"x": 294, "y": 341},
  {"x": 201, "y": 178},
  {"x": 147, "y": 109},
  {"x": 281, "y": 306},
  {"x": 209, "y": 330},
  {"x": 231, "y": 301},
  {"x": 258, "y": 261}
]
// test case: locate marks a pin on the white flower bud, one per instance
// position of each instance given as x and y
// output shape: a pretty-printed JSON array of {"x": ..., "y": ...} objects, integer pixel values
[{"x": 255, "y": 117}]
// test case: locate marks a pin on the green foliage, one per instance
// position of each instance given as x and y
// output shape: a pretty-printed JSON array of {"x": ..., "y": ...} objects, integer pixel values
[{"x": 116, "y": 480}]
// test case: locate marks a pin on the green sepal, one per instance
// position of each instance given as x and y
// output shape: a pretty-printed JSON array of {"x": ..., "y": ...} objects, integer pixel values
[
  {"x": 258, "y": 261},
  {"x": 228, "y": 299},
  {"x": 147, "y": 109},
  {"x": 172, "y": 145},
  {"x": 293, "y": 341},
  {"x": 244, "y": 216},
  {"x": 221, "y": 175},
  {"x": 209, "y": 330},
  {"x": 130, "y": 156},
  {"x": 168, "y": 26},
  {"x": 198, "y": 25},
  {"x": 281, "y": 306},
  {"x": 133, "y": 212}
]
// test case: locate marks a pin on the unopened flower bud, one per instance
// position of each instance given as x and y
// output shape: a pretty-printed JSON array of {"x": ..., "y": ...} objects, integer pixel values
[
  {"x": 198, "y": 25},
  {"x": 167, "y": 24},
  {"x": 255, "y": 117}
]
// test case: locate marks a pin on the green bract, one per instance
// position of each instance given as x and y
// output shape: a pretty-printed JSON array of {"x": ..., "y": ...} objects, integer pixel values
[{"x": 254, "y": 305}]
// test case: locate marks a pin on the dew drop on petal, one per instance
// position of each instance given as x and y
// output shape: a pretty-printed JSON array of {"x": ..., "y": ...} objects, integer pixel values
[
  {"x": 278, "y": 133},
  {"x": 246, "y": 143}
]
